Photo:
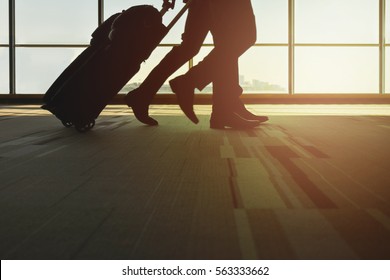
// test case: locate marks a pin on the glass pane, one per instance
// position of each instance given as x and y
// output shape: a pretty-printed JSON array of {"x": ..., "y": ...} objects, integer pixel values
[
  {"x": 387, "y": 21},
  {"x": 336, "y": 70},
  {"x": 387, "y": 71},
  {"x": 3, "y": 22},
  {"x": 148, "y": 66},
  {"x": 37, "y": 68},
  {"x": 337, "y": 21},
  {"x": 262, "y": 69},
  {"x": 271, "y": 20},
  {"x": 4, "y": 73},
  {"x": 57, "y": 21},
  {"x": 173, "y": 37},
  {"x": 113, "y": 6}
]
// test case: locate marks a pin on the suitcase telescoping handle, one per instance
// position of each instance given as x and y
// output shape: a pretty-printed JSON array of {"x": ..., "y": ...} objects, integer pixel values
[{"x": 168, "y": 5}]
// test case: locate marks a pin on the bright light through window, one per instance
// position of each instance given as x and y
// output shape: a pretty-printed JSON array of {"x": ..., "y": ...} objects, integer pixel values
[
  {"x": 336, "y": 70},
  {"x": 337, "y": 21},
  {"x": 263, "y": 68},
  {"x": 4, "y": 75},
  {"x": 387, "y": 73},
  {"x": 37, "y": 68},
  {"x": 3, "y": 21},
  {"x": 271, "y": 20},
  {"x": 42, "y": 21}
]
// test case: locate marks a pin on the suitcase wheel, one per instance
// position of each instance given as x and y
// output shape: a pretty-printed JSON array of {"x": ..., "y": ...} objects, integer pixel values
[
  {"x": 67, "y": 123},
  {"x": 85, "y": 127}
]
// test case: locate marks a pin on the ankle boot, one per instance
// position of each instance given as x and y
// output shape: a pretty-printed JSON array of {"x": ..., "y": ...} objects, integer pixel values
[
  {"x": 185, "y": 96},
  {"x": 138, "y": 100}
]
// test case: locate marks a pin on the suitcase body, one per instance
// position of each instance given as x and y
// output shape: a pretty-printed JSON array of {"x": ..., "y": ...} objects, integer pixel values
[{"x": 117, "y": 49}]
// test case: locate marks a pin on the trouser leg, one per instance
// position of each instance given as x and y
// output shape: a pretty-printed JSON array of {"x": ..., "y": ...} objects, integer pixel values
[
  {"x": 196, "y": 29},
  {"x": 220, "y": 66},
  {"x": 234, "y": 31},
  {"x": 226, "y": 87}
]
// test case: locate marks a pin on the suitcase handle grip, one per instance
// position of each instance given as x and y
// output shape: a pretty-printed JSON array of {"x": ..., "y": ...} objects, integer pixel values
[
  {"x": 178, "y": 16},
  {"x": 166, "y": 6}
]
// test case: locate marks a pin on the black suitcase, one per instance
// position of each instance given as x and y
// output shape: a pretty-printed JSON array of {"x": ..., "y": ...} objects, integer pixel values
[
  {"x": 99, "y": 40},
  {"x": 117, "y": 49}
]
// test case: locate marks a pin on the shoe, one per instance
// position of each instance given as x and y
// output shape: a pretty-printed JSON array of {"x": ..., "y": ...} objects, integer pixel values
[
  {"x": 185, "y": 97},
  {"x": 244, "y": 113},
  {"x": 135, "y": 99},
  {"x": 231, "y": 120}
]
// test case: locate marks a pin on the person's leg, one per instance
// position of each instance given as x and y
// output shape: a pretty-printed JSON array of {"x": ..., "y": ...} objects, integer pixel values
[
  {"x": 235, "y": 40},
  {"x": 221, "y": 65},
  {"x": 232, "y": 95},
  {"x": 196, "y": 29},
  {"x": 221, "y": 69},
  {"x": 233, "y": 27}
]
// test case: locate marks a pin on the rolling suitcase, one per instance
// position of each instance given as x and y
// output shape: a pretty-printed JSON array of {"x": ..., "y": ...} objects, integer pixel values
[
  {"x": 117, "y": 49},
  {"x": 99, "y": 40}
]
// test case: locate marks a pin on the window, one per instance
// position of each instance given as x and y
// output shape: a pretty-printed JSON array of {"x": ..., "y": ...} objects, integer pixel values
[
  {"x": 4, "y": 74},
  {"x": 113, "y": 6},
  {"x": 351, "y": 63},
  {"x": 336, "y": 70},
  {"x": 3, "y": 22},
  {"x": 271, "y": 20},
  {"x": 387, "y": 49},
  {"x": 337, "y": 45},
  {"x": 55, "y": 22},
  {"x": 387, "y": 21},
  {"x": 37, "y": 68},
  {"x": 264, "y": 70},
  {"x": 387, "y": 72},
  {"x": 337, "y": 21},
  {"x": 4, "y": 51}
]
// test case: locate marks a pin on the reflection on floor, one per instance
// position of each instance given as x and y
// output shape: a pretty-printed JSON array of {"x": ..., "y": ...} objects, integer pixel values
[{"x": 312, "y": 183}]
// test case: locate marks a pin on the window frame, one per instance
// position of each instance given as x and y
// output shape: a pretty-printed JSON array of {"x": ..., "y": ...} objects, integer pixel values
[{"x": 290, "y": 45}]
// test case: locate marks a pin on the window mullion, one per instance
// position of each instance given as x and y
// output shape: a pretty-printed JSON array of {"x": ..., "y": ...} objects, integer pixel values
[
  {"x": 382, "y": 47},
  {"x": 291, "y": 46},
  {"x": 100, "y": 11},
  {"x": 11, "y": 11}
]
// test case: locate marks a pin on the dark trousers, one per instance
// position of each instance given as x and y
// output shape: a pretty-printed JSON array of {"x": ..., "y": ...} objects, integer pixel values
[
  {"x": 233, "y": 27},
  {"x": 196, "y": 28}
]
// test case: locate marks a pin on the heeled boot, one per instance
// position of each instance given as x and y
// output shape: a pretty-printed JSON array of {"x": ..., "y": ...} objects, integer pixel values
[
  {"x": 185, "y": 96},
  {"x": 138, "y": 99}
]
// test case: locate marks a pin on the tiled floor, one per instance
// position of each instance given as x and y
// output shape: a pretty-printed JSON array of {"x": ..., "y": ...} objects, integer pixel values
[{"x": 312, "y": 183}]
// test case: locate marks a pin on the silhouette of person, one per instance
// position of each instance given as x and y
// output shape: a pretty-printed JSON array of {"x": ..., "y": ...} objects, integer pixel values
[{"x": 233, "y": 27}]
